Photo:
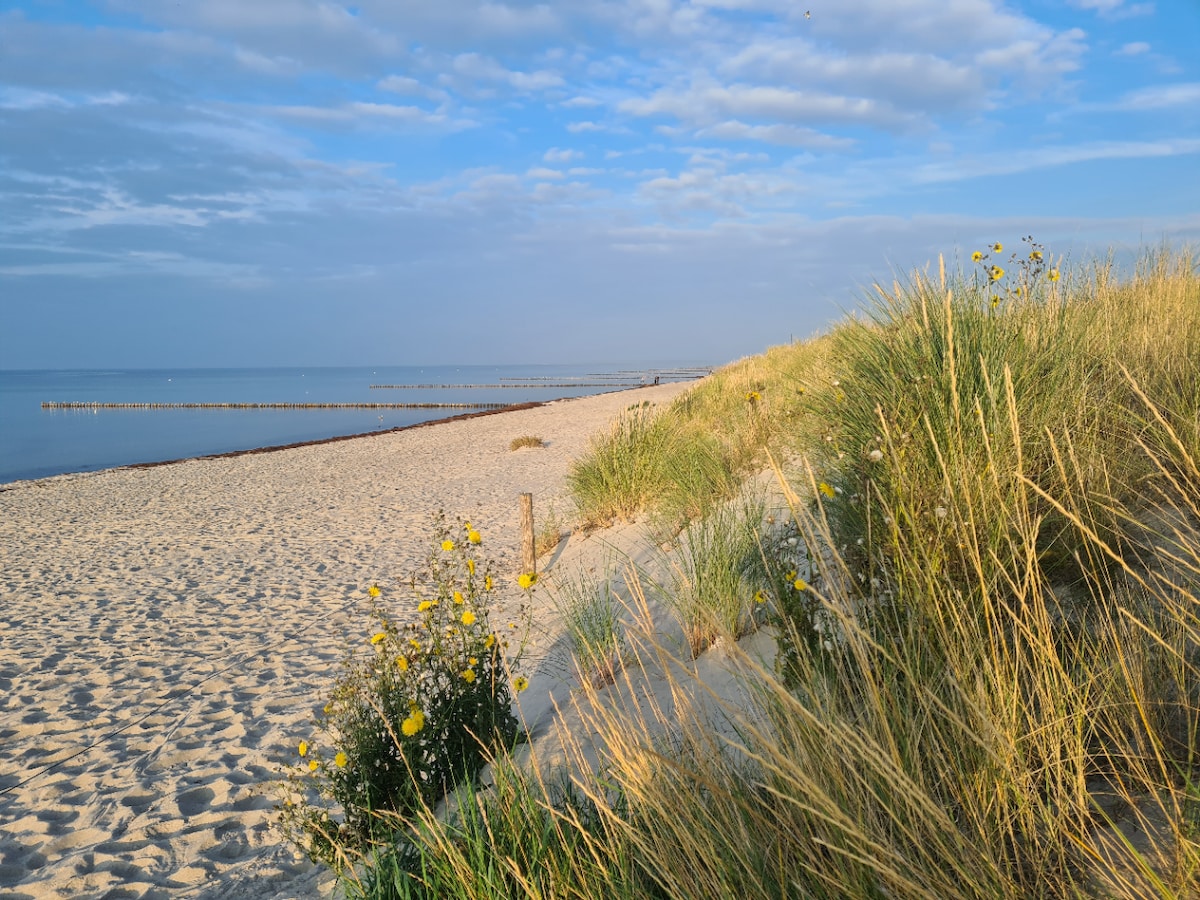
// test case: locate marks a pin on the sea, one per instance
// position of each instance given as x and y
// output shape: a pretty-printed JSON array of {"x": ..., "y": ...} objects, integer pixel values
[{"x": 39, "y": 439}]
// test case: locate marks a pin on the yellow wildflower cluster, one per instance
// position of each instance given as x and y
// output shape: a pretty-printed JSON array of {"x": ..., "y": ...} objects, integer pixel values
[
  {"x": 414, "y": 722},
  {"x": 437, "y": 664},
  {"x": 1030, "y": 270}
]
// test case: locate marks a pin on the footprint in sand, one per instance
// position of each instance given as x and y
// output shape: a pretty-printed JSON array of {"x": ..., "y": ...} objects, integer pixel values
[{"x": 195, "y": 801}]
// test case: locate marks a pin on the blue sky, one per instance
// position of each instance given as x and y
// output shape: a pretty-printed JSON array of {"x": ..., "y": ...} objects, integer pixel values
[{"x": 294, "y": 182}]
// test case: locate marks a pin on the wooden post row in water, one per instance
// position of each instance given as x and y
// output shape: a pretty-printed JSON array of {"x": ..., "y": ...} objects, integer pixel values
[{"x": 528, "y": 554}]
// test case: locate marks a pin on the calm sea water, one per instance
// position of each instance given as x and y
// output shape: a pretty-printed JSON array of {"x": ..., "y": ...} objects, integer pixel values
[{"x": 37, "y": 442}]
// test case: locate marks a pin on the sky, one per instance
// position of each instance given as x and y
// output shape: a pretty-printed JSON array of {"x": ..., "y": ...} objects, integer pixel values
[{"x": 395, "y": 182}]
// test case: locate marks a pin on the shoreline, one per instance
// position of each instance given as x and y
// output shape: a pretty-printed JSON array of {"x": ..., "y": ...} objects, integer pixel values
[
  {"x": 273, "y": 448},
  {"x": 169, "y": 629}
]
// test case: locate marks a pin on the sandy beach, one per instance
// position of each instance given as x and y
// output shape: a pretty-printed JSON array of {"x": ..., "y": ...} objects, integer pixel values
[{"x": 167, "y": 632}]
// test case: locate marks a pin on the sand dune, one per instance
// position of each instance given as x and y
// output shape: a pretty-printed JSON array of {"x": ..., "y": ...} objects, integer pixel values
[{"x": 165, "y": 634}]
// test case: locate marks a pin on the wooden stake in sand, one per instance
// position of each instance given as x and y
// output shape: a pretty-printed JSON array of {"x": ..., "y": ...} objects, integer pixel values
[{"x": 528, "y": 555}]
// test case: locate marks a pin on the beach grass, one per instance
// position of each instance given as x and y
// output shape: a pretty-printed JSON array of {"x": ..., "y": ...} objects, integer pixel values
[
  {"x": 986, "y": 597},
  {"x": 526, "y": 441}
]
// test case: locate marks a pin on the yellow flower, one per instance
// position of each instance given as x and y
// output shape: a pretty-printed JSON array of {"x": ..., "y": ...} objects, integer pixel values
[
  {"x": 402, "y": 663},
  {"x": 466, "y": 526},
  {"x": 1035, "y": 255},
  {"x": 753, "y": 396},
  {"x": 414, "y": 723},
  {"x": 471, "y": 660},
  {"x": 800, "y": 584},
  {"x": 378, "y": 636},
  {"x": 976, "y": 256},
  {"x": 312, "y": 765},
  {"x": 303, "y": 748},
  {"x": 458, "y": 597},
  {"x": 1053, "y": 275},
  {"x": 995, "y": 301},
  {"x": 469, "y": 676},
  {"x": 414, "y": 643},
  {"x": 826, "y": 490},
  {"x": 488, "y": 583},
  {"x": 997, "y": 247},
  {"x": 425, "y": 606},
  {"x": 340, "y": 760},
  {"x": 526, "y": 580},
  {"x": 471, "y": 566},
  {"x": 468, "y": 618},
  {"x": 520, "y": 683},
  {"x": 447, "y": 545},
  {"x": 373, "y": 590},
  {"x": 996, "y": 273},
  {"x": 760, "y": 597},
  {"x": 474, "y": 537},
  {"x": 489, "y": 642}
]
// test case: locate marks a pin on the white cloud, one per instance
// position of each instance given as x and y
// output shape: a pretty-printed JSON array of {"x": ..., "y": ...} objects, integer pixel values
[
  {"x": 503, "y": 19},
  {"x": 1155, "y": 97},
  {"x": 544, "y": 173},
  {"x": 363, "y": 112},
  {"x": 1012, "y": 162},
  {"x": 1114, "y": 9},
  {"x": 266, "y": 65},
  {"x": 556, "y": 155},
  {"x": 705, "y": 105},
  {"x": 1133, "y": 48},
  {"x": 916, "y": 80},
  {"x": 410, "y": 87},
  {"x": 784, "y": 135},
  {"x": 708, "y": 189},
  {"x": 581, "y": 127},
  {"x": 483, "y": 68},
  {"x": 1160, "y": 96},
  {"x": 21, "y": 98}
]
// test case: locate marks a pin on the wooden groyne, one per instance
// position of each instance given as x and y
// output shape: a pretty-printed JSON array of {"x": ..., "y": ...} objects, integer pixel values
[
  {"x": 475, "y": 387},
  {"x": 94, "y": 405}
]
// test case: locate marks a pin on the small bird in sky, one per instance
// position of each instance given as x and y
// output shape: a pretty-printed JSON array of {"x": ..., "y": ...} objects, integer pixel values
[{"x": 808, "y": 14}]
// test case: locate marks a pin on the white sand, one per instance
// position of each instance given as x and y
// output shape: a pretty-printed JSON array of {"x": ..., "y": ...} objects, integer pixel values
[{"x": 166, "y": 633}]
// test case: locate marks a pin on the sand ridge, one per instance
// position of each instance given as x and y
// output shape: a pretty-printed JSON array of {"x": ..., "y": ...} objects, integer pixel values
[{"x": 167, "y": 632}]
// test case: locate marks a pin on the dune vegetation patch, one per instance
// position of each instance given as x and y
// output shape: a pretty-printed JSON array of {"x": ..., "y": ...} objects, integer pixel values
[{"x": 984, "y": 590}]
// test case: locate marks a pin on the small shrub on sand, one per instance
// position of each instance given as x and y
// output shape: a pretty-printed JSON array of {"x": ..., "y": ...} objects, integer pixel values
[
  {"x": 712, "y": 594},
  {"x": 626, "y": 467},
  {"x": 549, "y": 534},
  {"x": 414, "y": 713},
  {"x": 591, "y": 614},
  {"x": 526, "y": 440}
]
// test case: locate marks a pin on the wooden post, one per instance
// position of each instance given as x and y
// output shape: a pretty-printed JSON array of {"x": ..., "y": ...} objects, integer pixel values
[{"x": 528, "y": 553}]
